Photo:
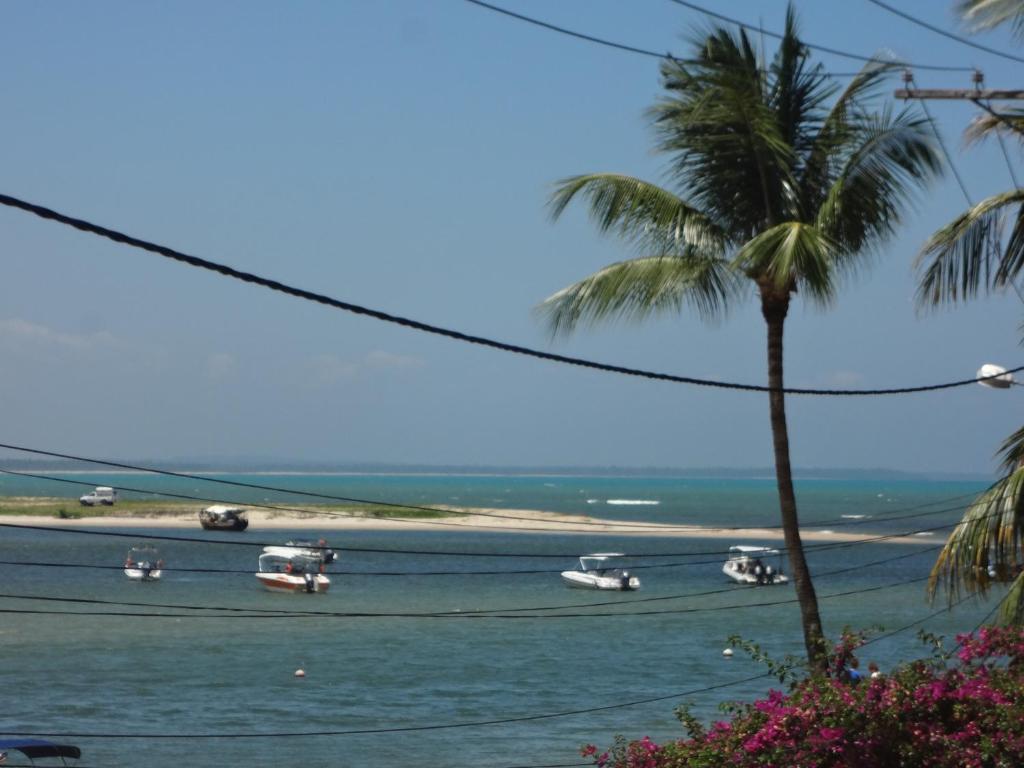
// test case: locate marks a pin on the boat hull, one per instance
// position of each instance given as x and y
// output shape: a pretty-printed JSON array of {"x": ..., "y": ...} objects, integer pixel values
[
  {"x": 143, "y": 574},
  {"x": 746, "y": 577},
  {"x": 284, "y": 582},
  {"x": 579, "y": 580},
  {"x": 234, "y": 525}
]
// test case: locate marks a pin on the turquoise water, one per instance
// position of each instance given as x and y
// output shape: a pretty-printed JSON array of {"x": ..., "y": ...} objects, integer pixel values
[{"x": 115, "y": 675}]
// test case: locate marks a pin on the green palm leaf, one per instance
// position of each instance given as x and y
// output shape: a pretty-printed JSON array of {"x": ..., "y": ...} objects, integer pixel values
[
  {"x": 988, "y": 536},
  {"x": 791, "y": 256},
  {"x": 642, "y": 287},
  {"x": 963, "y": 258},
  {"x": 652, "y": 217}
]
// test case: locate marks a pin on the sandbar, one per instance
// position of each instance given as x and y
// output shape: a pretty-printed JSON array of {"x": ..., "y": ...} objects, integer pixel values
[{"x": 498, "y": 520}]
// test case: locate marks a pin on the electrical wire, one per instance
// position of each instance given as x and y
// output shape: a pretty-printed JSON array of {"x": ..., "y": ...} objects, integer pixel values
[
  {"x": 163, "y": 537},
  {"x": 237, "y": 613},
  {"x": 334, "y": 614},
  {"x": 608, "y": 526},
  {"x": 668, "y": 55},
  {"x": 416, "y": 574},
  {"x": 942, "y": 143},
  {"x": 318, "y": 298},
  {"x": 441, "y": 726},
  {"x": 943, "y": 32},
  {"x": 822, "y": 48}
]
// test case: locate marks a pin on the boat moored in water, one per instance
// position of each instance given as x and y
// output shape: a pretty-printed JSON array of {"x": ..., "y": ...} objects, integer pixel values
[
  {"x": 37, "y": 749},
  {"x": 754, "y": 565},
  {"x": 143, "y": 564},
  {"x": 223, "y": 518},
  {"x": 282, "y": 569},
  {"x": 601, "y": 571}
]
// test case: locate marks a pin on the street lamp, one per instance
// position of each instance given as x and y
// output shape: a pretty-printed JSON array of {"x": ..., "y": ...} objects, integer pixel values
[{"x": 995, "y": 377}]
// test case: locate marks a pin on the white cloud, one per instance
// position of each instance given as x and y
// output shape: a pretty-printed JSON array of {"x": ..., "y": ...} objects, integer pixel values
[
  {"x": 381, "y": 359},
  {"x": 328, "y": 369},
  {"x": 17, "y": 330}
]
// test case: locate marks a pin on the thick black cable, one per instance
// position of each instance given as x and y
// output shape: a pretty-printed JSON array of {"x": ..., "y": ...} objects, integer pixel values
[
  {"x": 822, "y": 48},
  {"x": 943, "y": 32},
  {"x": 274, "y": 285}
]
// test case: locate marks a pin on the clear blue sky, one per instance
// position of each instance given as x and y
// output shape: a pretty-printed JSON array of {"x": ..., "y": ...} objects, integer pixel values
[{"x": 398, "y": 154}]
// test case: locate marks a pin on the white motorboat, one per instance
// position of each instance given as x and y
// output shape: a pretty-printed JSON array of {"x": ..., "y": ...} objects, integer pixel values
[
  {"x": 143, "y": 564},
  {"x": 601, "y": 571},
  {"x": 281, "y": 569},
  {"x": 754, "y": 565}
]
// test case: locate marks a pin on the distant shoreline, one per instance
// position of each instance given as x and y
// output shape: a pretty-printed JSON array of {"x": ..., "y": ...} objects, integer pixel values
[{"x": 264, "y": 468}]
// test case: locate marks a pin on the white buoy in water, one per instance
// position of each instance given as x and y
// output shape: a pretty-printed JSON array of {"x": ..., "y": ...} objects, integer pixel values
[
  {"x": 727, "y": 653},
  {"x": 300, "y": 672}
]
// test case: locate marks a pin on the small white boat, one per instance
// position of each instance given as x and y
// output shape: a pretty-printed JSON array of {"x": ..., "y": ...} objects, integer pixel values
[
  {"x": 599, "y": 571},
  {"x": 753, "y": 565},
  {"x": 281, "y": 569},
  {"x": 143, "y": 564}
]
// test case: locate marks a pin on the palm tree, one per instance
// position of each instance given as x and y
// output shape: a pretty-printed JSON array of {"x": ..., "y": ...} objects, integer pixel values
[
  {"x": 781, "y": 187},
  {"x": 967, "y": 257}
]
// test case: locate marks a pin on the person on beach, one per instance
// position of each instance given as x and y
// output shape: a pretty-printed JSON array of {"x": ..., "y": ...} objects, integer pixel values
[
  {"x": 873, "y": 671},
  {"x": 853, "y": 674}
]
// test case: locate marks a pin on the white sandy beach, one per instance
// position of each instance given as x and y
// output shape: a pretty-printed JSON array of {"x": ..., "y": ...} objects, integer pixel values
[{"x": 503, "y": 520}]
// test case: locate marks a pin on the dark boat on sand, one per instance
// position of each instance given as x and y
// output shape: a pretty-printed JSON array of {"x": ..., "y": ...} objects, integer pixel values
[{"x": 221, "y": 518}]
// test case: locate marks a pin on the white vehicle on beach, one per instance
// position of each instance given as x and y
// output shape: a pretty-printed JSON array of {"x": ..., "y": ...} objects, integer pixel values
[{"x": 101, "y": 495}]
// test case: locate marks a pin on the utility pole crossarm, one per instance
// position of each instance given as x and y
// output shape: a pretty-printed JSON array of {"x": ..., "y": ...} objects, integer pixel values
[{"x": 966, "y": 94}]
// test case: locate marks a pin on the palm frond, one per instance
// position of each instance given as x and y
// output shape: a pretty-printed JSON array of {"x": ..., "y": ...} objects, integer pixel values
[
  {"x": 792, "y": 255},
  {"x": 728, "y": 151},
  {"x": 650, "y": 216},
  {"x": 1009, "y": 122},
  {"x": 838, "y": 129},
  {"x": 986, "y": 545},
  {"x": 986, "y": 14},
  {"x": 892, "y": 157},
  {"x": 963, "y": 258},
  {"x": 642, "y": 287},
  {"x": 1012, "y": 451}
]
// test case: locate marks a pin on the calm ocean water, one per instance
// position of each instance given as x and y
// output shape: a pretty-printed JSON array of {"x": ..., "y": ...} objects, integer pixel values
[{"x": 187, "y": 675}]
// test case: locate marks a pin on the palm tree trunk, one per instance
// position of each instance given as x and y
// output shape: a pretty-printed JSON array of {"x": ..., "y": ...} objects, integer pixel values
[{"x": 774, "y": 310}]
